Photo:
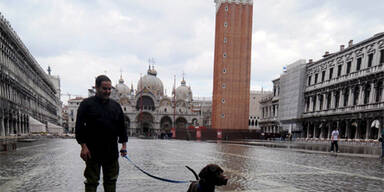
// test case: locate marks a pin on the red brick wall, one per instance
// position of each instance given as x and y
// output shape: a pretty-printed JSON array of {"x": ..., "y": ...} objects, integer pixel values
[{"x": 237, "y": 64}]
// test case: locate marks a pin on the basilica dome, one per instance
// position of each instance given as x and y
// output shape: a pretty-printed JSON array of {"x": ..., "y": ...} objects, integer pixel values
[
  {"x": 151, "y": 82},
  {"x": 183, "y": 92},
  {"x": 121, "y": 88}
]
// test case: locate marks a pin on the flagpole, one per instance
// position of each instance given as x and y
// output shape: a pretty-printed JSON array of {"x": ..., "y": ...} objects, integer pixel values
[{"x": 174, "y": 107}]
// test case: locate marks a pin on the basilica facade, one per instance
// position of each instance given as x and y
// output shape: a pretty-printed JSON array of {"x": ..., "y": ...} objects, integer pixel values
[{"x": 149, "y": 112}]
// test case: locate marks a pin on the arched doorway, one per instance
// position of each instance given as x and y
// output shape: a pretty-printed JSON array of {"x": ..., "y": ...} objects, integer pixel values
[
  {"x": 181, "y": 128},
  {"x": 181, "y": 123},
  {"x": 166, "y": 124},
  {"x": 375, "y": 126},
  {"x": 145, "y": 123}
]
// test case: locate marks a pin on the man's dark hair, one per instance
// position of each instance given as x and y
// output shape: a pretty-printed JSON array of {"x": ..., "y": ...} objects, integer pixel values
[{"x": 100, "y": 79}]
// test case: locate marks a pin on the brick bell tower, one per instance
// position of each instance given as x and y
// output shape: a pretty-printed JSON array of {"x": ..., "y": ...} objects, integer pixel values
[{"x": 232, "y": 66}]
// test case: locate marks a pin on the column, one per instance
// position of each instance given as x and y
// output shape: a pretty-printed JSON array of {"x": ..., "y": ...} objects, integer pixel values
[
  {"x": 332, "y": 99},
  {"x": 325, "y": 101},
  {"x": 361, "y": 96},
  {"x": 315, "y": 129},
  {"x": 7, "y": 122},
  {"x": 338, "y": 125},
  {"x": 307, "y": 130},
  {"x": 382, "y": 94},
  {"x": 372, "y": 95},
  {"x": 357, "y": 133},
  {"x": 18, "y": 124},
  {"x": 22, "y": 124},
  {"x": 381, "y": 126},
  {"x": 27, "y": 125},
  {"x": 329, "y": 130},
  {"x": 350, "y": 99},
  {"x": 317, "y": 107},
  {"x": 347, "y": 129},
  {"x": 310, "y": 103},
  {"x": 368, "y": 129},
  {"x": 341, "y": 99},
  {"x": 2, "y": 130}
]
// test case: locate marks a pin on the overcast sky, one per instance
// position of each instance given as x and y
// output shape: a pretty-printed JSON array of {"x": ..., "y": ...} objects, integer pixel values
[{"x": 80, "y": 39}]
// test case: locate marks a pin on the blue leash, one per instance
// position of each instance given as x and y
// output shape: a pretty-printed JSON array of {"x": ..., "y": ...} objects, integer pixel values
[{"x": 155, "y": 177}]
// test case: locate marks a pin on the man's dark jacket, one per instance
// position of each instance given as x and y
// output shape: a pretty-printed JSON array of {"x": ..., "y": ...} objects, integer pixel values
[{"x": 100, "y": 125}]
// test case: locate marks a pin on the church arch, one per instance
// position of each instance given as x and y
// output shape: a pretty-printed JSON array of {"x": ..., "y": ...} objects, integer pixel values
[
  {"x": 146, "y": 103},
  {"x": 145, "y": 123}
]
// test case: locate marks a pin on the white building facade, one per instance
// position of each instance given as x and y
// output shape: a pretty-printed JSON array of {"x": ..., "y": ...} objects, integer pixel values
[
  {"x": 26, "y": 91},
  {"x": 254, "y": 108},
  {"x": 345, "y": 90}
]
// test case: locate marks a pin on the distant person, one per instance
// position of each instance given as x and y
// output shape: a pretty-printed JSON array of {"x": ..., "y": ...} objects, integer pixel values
[
  {"x": 99, "y": 129},
  {"x": 334, "y": 139}
]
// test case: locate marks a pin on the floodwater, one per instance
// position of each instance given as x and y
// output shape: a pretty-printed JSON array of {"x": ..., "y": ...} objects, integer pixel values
[{"x": 54, "y": 165}]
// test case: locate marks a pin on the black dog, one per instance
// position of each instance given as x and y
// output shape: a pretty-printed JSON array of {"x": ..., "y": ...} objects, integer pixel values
[{"x": 210, "y": 176}]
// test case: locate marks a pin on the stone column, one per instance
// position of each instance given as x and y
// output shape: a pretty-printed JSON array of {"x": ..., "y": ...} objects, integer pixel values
[
  {"x": 332, "y": 99},
  {"x": 307, "y": 129},
  {"x": 350, "y": 99},
  {"x": 7, "y": 126},
  {"x": 381, "y": 126},
  {"x": 27, "y": 124},
  {"x": 18, "y": 127},
  {"x": 361, "y": 96},
  {"x": 341, "y": 99},
  {"x": 372, "y": 95},
  {"x": 314, "y": 130},
  {"x": 338, "y": 125},
  {"x": 317, "y": 103},
  {"x": 22, "y": 124},
  {"x": 310, "y": 103},
  {"x": 367, "y": 129},
  {"x": 329, "y": 129},
  {"x": 382, "y": 94},
  {"x": 347, "y": 129},
  {"x": 325, "y": 101},
  {"x": 2, "y": 130},
  {"x": 357, "y": 133}
]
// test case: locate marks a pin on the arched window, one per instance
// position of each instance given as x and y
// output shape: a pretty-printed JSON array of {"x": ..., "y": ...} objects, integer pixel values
[{"x": 146, "y": 103}]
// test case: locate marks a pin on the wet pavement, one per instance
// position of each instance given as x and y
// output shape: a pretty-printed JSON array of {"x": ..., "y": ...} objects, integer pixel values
[{"x": 54, "y": 165}]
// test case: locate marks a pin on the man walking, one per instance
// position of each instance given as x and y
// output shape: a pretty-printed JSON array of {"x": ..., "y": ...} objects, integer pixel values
[
  {"x": 334, "y": 138},
  {"x": 99, "y": 129}
]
